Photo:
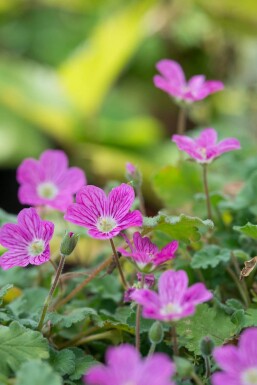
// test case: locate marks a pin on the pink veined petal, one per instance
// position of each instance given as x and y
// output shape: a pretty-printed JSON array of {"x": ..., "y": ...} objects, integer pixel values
[
  {"x": 133, "y": 219},
  {"x": 27, "y": 194},
  {"x": 81, "y": 215},
  {"x": 124, "y": 252},
  {"x": 12, "y": 236},
  {"x": 47, "y": 231},
  {"x": 168, "y": 87},
  {"x": 120, "y": 200},
  {"x": 190, "y": 146},
  {"x": 30, "y": 223},
  {"x": 54, "y": 163},
  {"x": 94, "y": 200},
  {"x": 228, "y": 358},
  {"x": 13, "y": 258},
  {"x": 225, "y": 379},
  {"x": 144, "y": 244},
  {"x": 213, "y": 86},
  {"x": 248, "y": 347},
  {"x": 228, "y": 144},
  {"x": 124, "y": 362},
  {"x": 30, "y": 172},
  {"x": 206, "y": 89},
  {"x": 157, "y": 369},
  {"x": 42, "y": 258},
  {"x": 166, "y": 253},
  {"x": 172, "y": 286},
  {"x": 196, "y": 82},
  {"x": 196, "y": 294},
  {"x": 95, "y": 233},
  {"x": 172, "y": 71},
  {"x": 72, "y": 180},
  {"x": 208, "y": 137},
  {"x": 147, "y": 298}
]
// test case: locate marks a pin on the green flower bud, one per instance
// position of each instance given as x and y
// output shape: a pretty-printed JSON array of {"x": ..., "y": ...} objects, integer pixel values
[
  {"x": 156, "y": 333},
  {"x": 68, "y": 243},
  {"x": 206, "y": 346},
  {"x": 184, "y": 367}
]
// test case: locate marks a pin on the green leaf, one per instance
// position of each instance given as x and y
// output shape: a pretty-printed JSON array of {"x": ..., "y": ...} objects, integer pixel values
[
  {"x": 175, "y": 185},
  {"x": 107, "y": 287},
  {"x": 250, "y": 317},
  {"x": 183, "y": 227},
  {"x": 62, "y": 361},
  {"x": 238, "y": 318},
  {"x": 205, "y": 322},
  {"x": 75, "y": 316},
  {"x": 3, "y": 291},
  {"x": 83, "y": 363},
  {"x": 18, "y": 344},
  {"x": 249, "y": 229},
  {"x": 210, "y": 256},
  {"x": 145, "y": 324},
  {"x": 6, "y": 218},
  {"x": 37, "y": 373}
]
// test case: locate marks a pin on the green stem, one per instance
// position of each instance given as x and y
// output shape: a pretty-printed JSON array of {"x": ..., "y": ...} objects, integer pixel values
[
  {"x": 196, "y": 379},
  {"x": 238, "y": 284},
  {"x": 152, "y": 349},
  {"x": 206, "y": 190},
  {"x": 238, "y": 271},
  {"x": 138, "y": 317},
  {"x": 207, "y": 366},
  {"x": 181, "y": 126},
  {"x": 118, "y": 264},
  {"x": 174, "y": 340},
  {"x": 51, "y": 292}
]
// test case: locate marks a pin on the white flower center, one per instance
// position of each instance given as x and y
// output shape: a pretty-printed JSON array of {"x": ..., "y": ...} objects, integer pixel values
[
  {"x": 106, "y": 224},
  {"x": 203, "y": 152},
  {"x": 170, "y": 308},
  {"x": 47, "y": 190},
  {"x": 249, "y": 376},
  {"x": 36, "y": 247}
]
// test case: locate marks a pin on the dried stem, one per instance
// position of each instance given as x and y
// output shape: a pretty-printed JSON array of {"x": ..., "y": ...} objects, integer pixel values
[
  {"x": 123, "y": 280},
  {"x": 242, "y": 282},
  {"x": 238, "y": 285},
  {"x": 206, "y": 190}
]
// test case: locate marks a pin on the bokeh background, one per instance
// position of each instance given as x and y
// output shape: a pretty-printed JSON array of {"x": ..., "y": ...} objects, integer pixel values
[{"x": 77, "y": 75}]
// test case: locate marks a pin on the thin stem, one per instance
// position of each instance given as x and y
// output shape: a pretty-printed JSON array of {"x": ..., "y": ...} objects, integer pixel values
[
  {"x": 77, "y": 289},
  {"x": 238, "y": 271},
  {"x": 51, "y": 292},
  {"x": 238, "y": 284},
  {"x": 94, "y": 337},
  {"x": 118, "y": 264},
  {"x": 174, "y": 340},
  {"x": 138, "y": 317},
  {"x": 207, "y": 366},
  {"x": 196, "y": 379},
  {"x": 181, "y": 125},
  {"x": 152, "y": 349},
  {"x": 206, "y": 190},
  {"x": 141, "y": 200}
]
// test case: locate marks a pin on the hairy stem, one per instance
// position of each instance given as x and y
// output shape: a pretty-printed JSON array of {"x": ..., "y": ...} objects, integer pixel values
[
  {"x": 238, "y": 271},
  {"x": 138, "y": 317},
  {"x": 123, "y": 280},
  {"x": 206, "y": 190},
  {"x": 181, "y": 125},
  {"x": 152, "y": 349},
  {"x": 174, "y": 340},
  {"x": 207, "y": 366},
  {"x": 238, "y": 285},
  {"x": 51, "y": 292},
  {"x": 196, "y": 379}
]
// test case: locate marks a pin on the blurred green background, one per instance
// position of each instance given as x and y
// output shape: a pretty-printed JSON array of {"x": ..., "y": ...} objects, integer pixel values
[{"x": 77, "y": 75}]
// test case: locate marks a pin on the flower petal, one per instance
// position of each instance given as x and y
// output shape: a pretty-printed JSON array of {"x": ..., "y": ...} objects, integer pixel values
[
  {"x": 172, "y": 71},
  {"x": 72, "y": 180},
  {"x": 13, "y": 236},
  {"x": 144, "y": 244},
  {"x": 42, "y": 258},
  {"x": 54, "y": 163},
  {"x": 228, "y": 144},
  {"x": 172, "y": 286},
  {"x": 225, "y": 379},
  {"x": 133, "y": 219},
  {"x": 157, "y": 369},
  {"x": 228, "y": 358},
  {"x": 94, "y": 200},
  {"x": 120, "y": 200},
  {"x": 150, "y": 302},
  {"x": 196, "y": 294},
  {"x": 208, "y": 137},
  {"x": 30, "y": 172},
  {"x": 81, "y": 215},
  {"x": 248, "y": 347},
  {"x": 166, "y": 253},
  {"x": 13, "y": 258},
  {"x": 30, "y": 223}
]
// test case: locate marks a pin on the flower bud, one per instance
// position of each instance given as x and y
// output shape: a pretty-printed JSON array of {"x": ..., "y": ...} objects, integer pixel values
[
  {"x": 156, "y": 333},
  {"x": 68, "y": 243},
  {"x": 184, "y": 367},
  {"x": 133, "y": 175},
  {"x": 206, "y": 346}
]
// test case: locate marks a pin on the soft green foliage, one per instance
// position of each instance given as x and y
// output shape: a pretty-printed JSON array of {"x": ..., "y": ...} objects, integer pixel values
[
  {"x": 4, "y": 291},
  {"x": 210, "y": 256},
  {"x": 82, "y": 363},
  {"x": 36, "y": 372},
  {"x": 205, "y": 322},
  {"x": 249, "y": 230},
  {"x": 73, "y": 317},
  {"x": 19, "y": 344},
  {"x": 62, "y": 361},
  {"x": 183, "y": 227}
]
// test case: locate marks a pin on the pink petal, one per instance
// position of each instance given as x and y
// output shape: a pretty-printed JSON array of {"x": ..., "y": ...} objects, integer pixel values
[
  {"x": 120, "y": 200},
  {"x": 98, "y": 375},
  {"x": 30, "y": 223},
  {"x": 172, "y": 286},
  {"x": 95, "y": 233},
  {"x": 172, "y": 71},
  {"x": 228, "y": 144},
  {"x": 168, "y": 87},
  {"x": 144, "y": 244},
  {"x": 208, "y": 137},
  {"x": 150, "y": 302},
  {"x": 94, "y": 200},
  {"x": 13, "y": 258},
  {"x": 196, "y": 82},
  {"x": 72, "y": 180},
  {"x": 248, "y": 347},
  {"x": 133, "y": 219},
  {"x": 81, "y": 215},
  {"x": 42, "y": 258},
  {"x": 27, "y": 194},
  {"x": 197, "y": 293},
  {"x": 124, "y": 359},
  {"x": 213, "y": 86},
  {"x": 225, "y": 379},
  {"x": 12, "y": 236},
  {"x": 30, "y": 172},
  {"x": 188, "y": 145},
  {"x": 157, "y": 368},
  {"x": 54, "y": 163},
  {"x": 166, "y": 253},
  {"x": 228, "y": 358}
]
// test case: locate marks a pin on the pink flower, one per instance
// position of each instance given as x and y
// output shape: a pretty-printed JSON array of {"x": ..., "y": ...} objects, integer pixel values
[
  {"x": 104, "y": 216},
  {"x": 175, "y": 299},
  {"x": 49, "y": 181},
  {"x": 238, "y": 364},
  {"x": 172, "y": 81},
  {"x": 27, "y": 241},
  {"x": 130, "y": 168},
  {"x": 205, "y": 148},
  {"x": 146, "y": 254},
  {"x": 149, "y": 282},
  {"x": 126, "y": 367}
]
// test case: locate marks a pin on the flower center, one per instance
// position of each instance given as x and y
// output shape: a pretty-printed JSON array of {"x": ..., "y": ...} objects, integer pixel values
[
  {"x": 36, "y": 247},
  {"x": 170, "y": 308},
  {"x": 47, "y": 190},
  {"x": 106, "y": 224},
  {"x": 249, "y": 376},
  {"x": 203, "y": 152}
]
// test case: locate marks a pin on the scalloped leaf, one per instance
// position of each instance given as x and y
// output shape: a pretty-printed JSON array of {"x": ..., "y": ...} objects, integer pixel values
[
  {"x": 210, "y": 256},
  {"x": 183, "y": 227},
  {"x": 36, "y": 372},
  {"x": 249, "y": 230}
]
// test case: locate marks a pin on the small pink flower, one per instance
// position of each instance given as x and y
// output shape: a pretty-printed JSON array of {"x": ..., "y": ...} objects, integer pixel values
[
  {"x": 172, "y": 80},
  {"x": 238, "y": 364},
  {"x": 149, "y": 280},
  {"x": 205, "y": 148},
  {"x": 130, "y": 168},
  {"x": 175, "y": 299},
  {"x": 49, "y": 181},
  {"x": 27, "y": 241},
  {"x": 126, "y": 367},
  {"x": 146, "y": 254},
  {"x": 105, "y": 217}
]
